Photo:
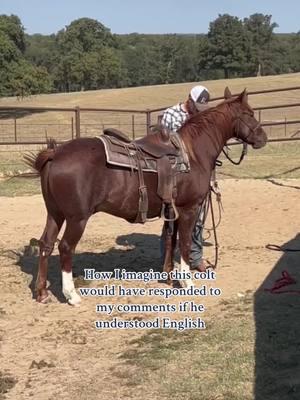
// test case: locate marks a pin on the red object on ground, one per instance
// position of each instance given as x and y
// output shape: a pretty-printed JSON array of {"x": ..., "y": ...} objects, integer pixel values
[{"x": 285, "y": 280}]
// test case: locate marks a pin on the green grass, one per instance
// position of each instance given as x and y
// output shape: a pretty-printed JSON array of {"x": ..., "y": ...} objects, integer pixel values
[
  {"x": 12, "y": 187},
  {"x": 11, "y": 162},
  {"x": 274, "y": 161},
  {"x": 7, "y": 382},
  {"x": 241, "y": 356},
  {"x": 215, "y": 364}
]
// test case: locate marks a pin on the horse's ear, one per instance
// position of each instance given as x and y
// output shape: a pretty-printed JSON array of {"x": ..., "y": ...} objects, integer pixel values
[
  {"x": 243, "y": 97},
  {"x": 227, "y": 93}
]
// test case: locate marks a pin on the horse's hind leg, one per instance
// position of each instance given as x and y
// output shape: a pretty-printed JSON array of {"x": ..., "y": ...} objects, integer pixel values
[
  {"x": 47, "y": 241},
  {"x": 66, "y": 247}
]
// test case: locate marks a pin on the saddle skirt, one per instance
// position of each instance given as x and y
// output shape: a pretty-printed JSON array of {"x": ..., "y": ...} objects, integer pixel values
[
  {"x": 139, "y": 153},
  {"x": 142, "y": 155}
]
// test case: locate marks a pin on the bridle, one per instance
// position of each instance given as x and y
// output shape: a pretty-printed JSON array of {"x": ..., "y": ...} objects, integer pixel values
[
  {"x": 240, "y": 139},
  {"x": 251, "y": 130}
]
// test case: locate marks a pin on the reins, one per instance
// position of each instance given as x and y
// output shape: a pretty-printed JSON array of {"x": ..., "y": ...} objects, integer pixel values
[
  {"x": 276, "y": 247},
  {"x": 243, "y": 141},
  {"x": 243, "y": 153},
  {"x": 214, "y": 227},
  {"x": 204, "y": 209}
]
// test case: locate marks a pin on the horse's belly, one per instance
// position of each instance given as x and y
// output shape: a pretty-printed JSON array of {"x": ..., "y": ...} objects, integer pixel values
[{"x": 122, "y": 199}]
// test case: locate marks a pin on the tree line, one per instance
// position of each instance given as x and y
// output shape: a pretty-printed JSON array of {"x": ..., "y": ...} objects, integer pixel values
[{"x": 85, "y": 55}]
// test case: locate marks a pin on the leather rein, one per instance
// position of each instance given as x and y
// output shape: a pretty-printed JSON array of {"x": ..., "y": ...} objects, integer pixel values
[
  {"x": 208, "y": 204},
  {"x": 241, "y": 140}
]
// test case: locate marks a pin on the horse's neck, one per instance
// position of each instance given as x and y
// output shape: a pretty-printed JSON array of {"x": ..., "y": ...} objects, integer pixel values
[{"x": 209, "y": 144}]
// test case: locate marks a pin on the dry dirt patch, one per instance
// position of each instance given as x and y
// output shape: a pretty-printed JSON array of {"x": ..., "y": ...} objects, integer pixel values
[{"x": 53, "y": 351}]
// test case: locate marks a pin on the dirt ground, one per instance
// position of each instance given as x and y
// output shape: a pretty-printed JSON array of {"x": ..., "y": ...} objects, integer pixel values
[{"x": 53, "y": 351}]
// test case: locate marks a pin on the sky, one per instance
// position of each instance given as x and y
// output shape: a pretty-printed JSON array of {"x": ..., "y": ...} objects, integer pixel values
[{"x": 147, "y": 16}]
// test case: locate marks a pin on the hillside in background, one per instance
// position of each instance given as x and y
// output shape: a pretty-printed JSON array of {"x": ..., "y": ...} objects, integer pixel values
[
  {"x": 274, "y": 160},
  {"x": 59, "y": 124},
  {"x": 157, "y": 96}
]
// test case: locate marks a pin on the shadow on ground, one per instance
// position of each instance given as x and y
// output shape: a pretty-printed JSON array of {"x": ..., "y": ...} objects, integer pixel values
[
  {"x": 134, "y": 252},
  {"x": 15, "y": 113},
  {"x": 277, "y": 344}
]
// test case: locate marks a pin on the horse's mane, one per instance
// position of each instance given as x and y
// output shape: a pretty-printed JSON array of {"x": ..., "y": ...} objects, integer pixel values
[{"x": 208, "y": 122}]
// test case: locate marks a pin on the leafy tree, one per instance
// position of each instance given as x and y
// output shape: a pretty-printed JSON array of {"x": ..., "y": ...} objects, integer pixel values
[
  {"x": 88, "y": 58},
  {"x": 17, "y": 76},
  {"x": 26, "y": 79},
  {"x": 84, "y": 35},
  {"x": 295, "y": 53},
  {"x": 8, "y": 51},
  {"x": 86, "y": 55},
  {"x": 12, "y": 27},
  {"x": 179, "y": 58},
  {"x": 228, "y": 45},
  {"x": 204, "y": 67},
  {"x": 261, "y": 32},
  {"x": 143, "y": 65},
  {"x": 41, "y": 50}
]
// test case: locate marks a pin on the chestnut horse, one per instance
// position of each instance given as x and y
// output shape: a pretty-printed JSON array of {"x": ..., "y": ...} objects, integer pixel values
[{"x": 77, "y": 182}]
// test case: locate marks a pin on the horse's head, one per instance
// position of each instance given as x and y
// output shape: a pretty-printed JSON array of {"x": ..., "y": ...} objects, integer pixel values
[{"x": 246, "y": 126}]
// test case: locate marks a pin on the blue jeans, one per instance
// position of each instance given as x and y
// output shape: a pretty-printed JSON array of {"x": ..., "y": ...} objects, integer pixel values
[{"x": 196, "y": 253}]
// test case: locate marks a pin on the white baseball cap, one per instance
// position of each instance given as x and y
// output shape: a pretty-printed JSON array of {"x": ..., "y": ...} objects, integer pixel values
[{"x": 199, "y": 94}]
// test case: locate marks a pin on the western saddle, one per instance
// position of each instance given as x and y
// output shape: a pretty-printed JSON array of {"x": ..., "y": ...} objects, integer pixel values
[{"x": 166, "y": 158}]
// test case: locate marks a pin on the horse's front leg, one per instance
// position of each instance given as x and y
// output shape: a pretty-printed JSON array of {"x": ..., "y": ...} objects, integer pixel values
[
  {"x": 169, "y": 242},
  {"x": 186, "y": 225}
]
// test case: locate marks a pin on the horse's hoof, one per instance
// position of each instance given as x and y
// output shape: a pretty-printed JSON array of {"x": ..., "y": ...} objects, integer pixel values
[
  {"x": 75, "y": 300},
  {"x": 44, "y": 297}
]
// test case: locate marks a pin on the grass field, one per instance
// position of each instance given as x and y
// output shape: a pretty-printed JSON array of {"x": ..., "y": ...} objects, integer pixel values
[
  {"x": 211, "y": 365},
  {"x": 274, "y": 161},
  {"x": 163, "y": 95},
  {"x": 245, "y": 353},
  {"x": 58, "y": 124}
]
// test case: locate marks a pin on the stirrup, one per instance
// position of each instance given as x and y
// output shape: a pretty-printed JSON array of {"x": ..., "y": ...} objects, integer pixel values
[{"x": 175, "y": 211}]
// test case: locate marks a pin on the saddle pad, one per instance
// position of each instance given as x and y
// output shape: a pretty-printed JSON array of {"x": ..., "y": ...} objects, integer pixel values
[{"x": 125, "y": 157}]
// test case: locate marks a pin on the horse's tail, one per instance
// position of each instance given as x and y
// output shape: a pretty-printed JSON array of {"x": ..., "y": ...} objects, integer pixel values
[{"x": 38, "y": 161}]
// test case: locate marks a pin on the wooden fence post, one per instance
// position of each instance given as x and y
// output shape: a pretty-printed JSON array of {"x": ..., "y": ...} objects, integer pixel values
[
  {"x": 133, "y": 127},
  {"x": 77, "y": 122},
  {"x": 15, "y": 128},
  {"x": 72, "y": 128},
  {"x": 148, "y": 121}
]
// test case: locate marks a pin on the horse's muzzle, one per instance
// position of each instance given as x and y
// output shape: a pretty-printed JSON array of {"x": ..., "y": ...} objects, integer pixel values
[{"x": 260, "y": 140}]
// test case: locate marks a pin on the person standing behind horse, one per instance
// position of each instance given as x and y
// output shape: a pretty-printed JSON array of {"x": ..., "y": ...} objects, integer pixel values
[{"x": 173, "y": 119}]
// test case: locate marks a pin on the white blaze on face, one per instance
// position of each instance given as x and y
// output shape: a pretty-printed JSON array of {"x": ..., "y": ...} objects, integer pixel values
[
  {"x": 69, "y": 289},
  {"x": 184, "y": 267}
]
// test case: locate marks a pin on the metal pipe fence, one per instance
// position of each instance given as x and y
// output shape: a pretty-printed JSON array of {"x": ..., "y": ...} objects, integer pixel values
[{"x": 31, "y": 125}]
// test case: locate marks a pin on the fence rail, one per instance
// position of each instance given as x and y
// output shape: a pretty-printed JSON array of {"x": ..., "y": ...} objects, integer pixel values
[{"x": 133, "y": 121}]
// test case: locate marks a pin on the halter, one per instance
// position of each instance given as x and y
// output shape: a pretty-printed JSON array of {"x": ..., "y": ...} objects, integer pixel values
[
  {"x": 252, "y": 130},
  {"x": 242, "y": 140}
]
